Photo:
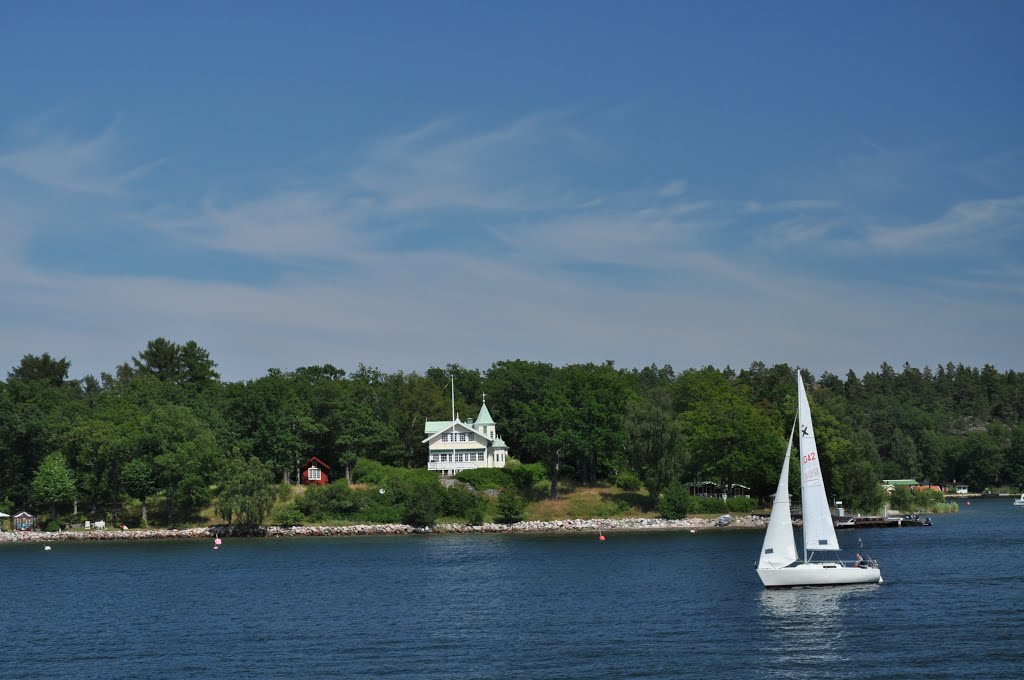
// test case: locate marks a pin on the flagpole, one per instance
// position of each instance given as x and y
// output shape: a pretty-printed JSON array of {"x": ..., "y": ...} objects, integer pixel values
[{"x": 453, "y": 419}]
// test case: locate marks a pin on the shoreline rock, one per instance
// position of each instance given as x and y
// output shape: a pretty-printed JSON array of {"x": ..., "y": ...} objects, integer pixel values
[{"x": 556, "y": 526}]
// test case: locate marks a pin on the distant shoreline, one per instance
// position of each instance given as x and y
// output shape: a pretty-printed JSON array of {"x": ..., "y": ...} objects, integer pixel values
[{"x": 557, "y": 526}]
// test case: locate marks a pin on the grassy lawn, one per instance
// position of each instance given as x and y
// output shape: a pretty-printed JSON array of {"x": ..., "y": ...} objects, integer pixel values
[{"x": 587, "y": 502}]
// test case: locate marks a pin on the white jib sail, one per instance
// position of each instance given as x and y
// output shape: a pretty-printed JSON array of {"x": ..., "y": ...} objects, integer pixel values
[
  {"x": 779, "y": 547},
  {"x": 819, "y": 532}
]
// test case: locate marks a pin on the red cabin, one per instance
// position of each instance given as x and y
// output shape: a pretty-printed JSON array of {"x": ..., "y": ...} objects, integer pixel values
[{"x": 314, "y": 472}]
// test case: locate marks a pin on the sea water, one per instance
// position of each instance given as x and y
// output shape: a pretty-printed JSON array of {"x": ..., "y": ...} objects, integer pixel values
[{"x": 639, "y": 605}]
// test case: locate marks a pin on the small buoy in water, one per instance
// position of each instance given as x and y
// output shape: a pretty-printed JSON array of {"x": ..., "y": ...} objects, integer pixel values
[
  {"x": 217, "y": 541},
  {"x": 693, "y": 531},
  {"x": 46, "y": 547},
  {"x": 968, "y": 502},
  {"x": 600, "y": 537},
  {"x": 216, "y": 547}
]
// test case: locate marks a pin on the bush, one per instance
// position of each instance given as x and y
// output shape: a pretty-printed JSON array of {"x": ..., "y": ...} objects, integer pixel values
[
  {"x": 289, "y": 515},
  {"x": 368, "y": 471},
  {"x": 674, "y": 501},
  {"x": 375, "y": 509},
  {"x": 475, "y": 514},
  {"x": 458, "y": 500},
  {"x": 334, "y": 501},
  {"x": 487, "y": 478},
  {"x": 901, "y": 499},
  {"x": 741, "y": 504},
  {"x": 510, "y": 506},
  {"x": 708, "y": 505},
  {"x": 525, "y": 476},
  {"x": 929, "y": 497},
  {"x": 53, "y": 525},
  {"x": 627, "y": 481},
  {"x": 417, "y": 493}
]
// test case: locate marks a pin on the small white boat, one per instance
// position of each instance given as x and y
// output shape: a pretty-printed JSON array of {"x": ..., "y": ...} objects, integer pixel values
[
  {"x": 779, "y": 566},
  {"x": 723, "y": 521},
  {"x": 1019, "y": 501}
]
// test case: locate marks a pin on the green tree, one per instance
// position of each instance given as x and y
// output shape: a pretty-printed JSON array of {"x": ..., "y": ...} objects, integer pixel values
[
  {"x": 246, "y": 494},
  {"x": 197, "y": 369},
  {"x": 674, "y": 502},
  {"x": 54, "y": 482},
  {"x": 272, "y": 422},
  {"x": 161, "y": 359},
  {"x": 138, "y": 480},
  {"x": 654, "y": 442},
  {"x": 35, "y": 420},
  {"x": 187, "y": 461},
  {"x": 510, "y": 507},
  {"x": 729, "y": 440},
  {"x": 46, "y": 368}
]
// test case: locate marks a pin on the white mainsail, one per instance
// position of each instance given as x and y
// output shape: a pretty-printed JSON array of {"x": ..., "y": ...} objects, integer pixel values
[
  {"x": 779, "y": 547},
  {"x": 819, "y": 531}
]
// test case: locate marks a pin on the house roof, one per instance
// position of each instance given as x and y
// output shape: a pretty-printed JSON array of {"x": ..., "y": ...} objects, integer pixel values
[
  {"x": 445, "y": 426},
  {"x": 485, "y": 416},
  {"x": 314, "y": 459},
  {"x": 432, "y": 426},
  {"x": 900, "y": 482},
  {"x": 499, "y": 443}
]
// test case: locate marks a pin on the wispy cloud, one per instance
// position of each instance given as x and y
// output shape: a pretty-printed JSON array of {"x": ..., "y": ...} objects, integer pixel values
[
  {"x": 794, "y": 205},
  {"x": 78, "y": 165},
  {"x": 321, "y": 224},
  {"x": 673, "y": 189},
  {"x": 424, "y": 179},
  {"x": 968, "y": 227},
  {"x": 434, "y": 167}
]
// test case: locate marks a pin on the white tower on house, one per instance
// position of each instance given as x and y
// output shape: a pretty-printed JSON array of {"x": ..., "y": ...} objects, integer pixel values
[{"x": 454, "y": 445}]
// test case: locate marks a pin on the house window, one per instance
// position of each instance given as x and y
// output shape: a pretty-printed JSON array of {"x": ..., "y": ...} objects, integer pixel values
[{"x": 314, "y": 473}]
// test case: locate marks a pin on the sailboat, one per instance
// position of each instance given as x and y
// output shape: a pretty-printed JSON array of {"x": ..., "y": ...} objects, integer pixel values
[{"x": 779, "y": 565}]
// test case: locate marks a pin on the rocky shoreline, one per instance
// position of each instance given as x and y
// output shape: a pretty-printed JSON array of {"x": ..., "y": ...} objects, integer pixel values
[{"x": 558, "y": 526}]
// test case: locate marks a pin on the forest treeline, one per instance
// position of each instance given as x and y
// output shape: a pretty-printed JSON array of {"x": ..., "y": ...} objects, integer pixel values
[{"x": 164, "y": 424}]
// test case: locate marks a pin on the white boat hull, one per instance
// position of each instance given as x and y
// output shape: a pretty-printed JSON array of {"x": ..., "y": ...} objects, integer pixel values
[{"x": 818, "y": 574}]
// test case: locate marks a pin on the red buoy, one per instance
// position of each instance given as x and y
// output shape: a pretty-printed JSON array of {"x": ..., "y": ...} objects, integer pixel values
[{"x": 600, "y": 537}]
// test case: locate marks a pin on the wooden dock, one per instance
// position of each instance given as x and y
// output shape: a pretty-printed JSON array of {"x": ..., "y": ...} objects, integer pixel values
[
  {"x": 881, "y": 522},
  {"x": 866, "y": 522}
]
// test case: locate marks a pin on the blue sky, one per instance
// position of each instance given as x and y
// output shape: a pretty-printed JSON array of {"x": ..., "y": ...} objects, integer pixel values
[{"x": 408, "y": 184}]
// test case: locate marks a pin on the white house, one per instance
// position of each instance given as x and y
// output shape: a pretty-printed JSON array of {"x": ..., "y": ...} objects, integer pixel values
[{"x": 456, "y": 446}]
